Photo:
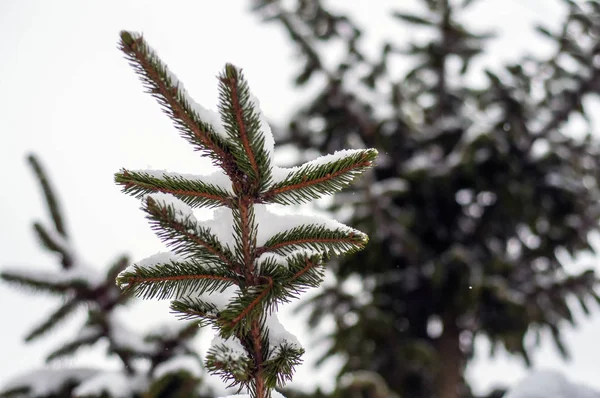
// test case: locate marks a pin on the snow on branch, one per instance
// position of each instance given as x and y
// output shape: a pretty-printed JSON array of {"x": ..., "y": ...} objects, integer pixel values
[
  {"x": 232, "y": 270},
  {"x": 200, "y": 126},
  {"x": 250, "y": 136},
  {"x": 325, "y": 175},
  {"x": 209, "y": 190}
]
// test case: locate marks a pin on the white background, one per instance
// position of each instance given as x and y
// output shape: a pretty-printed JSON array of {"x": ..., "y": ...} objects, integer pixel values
[{"x": 67, "y": 94}]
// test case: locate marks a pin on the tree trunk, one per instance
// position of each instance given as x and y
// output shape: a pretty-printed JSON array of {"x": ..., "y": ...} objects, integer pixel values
[{"x": 450, "y": 359}]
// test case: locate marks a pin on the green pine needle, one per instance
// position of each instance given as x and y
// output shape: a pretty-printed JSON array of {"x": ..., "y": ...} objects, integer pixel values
[
  {"x": 313, "y": 181},
  {"x": 315, "y": 237},
  {"x": 290, "y": 262},
  {"x": 175, "y": 279},
  {"x": 195, "y": 309},
  {"x": 280, "y": 366},
  {"x": 183, "y": 235},
  {"x": 194, "y": 193},
  {"x": 243, "y": 125},
  {"x": 248, "y": 306},
  {"x": 300, "y": 272},
  {"x": 232, "y": 367},
  {"x": 170, "y": 93}
]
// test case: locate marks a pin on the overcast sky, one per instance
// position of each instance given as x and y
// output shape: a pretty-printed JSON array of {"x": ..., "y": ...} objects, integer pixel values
[{"x": 67, "y": 94}]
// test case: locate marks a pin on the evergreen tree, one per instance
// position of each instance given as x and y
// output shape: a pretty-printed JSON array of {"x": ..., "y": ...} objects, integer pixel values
[
  {"x": 232, "y": 271},
  {"x": 477, "y": 201},
  {"x": 160, "y": 363}
]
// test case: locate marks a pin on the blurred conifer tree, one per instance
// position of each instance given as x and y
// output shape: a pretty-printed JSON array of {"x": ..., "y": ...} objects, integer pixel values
[
  {"x": 480, "y": 195},
  {"x": 160, "y": 363}
]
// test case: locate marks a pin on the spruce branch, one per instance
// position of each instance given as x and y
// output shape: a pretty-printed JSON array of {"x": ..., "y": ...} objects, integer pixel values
[
  {"x": 194, "y": 192},
  {"x": 75, "y": 344},
  {"x": 232, "y": 365},
  {"x": 55, "y": 243},
  {"x": 53, "y": 239},
  {"x": 216, "y": 274},
  {"x": 53, "y": 320},
  {"x": 280, "y": 366},
  {"x": 301, "y": 270},
  {"x": 182, "y": 233},
  {"x": 315, "y": 237},
  {"x": 196, "y": 124},
  {"x": 49, "y": 195},
  {"x": 244, "y": 126},
  {"x": 243, "y": 312},
  {"x": 325, "y": 177},
  {"x": 193, "y": 308},
  {"x": 294, "y": 272},
  {"x": 39, "y": 282},
  {"x": 175, "y": 279}
]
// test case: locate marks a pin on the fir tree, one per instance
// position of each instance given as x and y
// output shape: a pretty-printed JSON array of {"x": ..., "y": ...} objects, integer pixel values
[
  {"x": 231, "y": 272},
  {"x": 159, "y": 363},
  {"x": 477, "y": 201}
]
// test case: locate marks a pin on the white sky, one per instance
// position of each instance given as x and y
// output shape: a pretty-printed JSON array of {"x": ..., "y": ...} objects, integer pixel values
[{"x": 67, "y": 94}]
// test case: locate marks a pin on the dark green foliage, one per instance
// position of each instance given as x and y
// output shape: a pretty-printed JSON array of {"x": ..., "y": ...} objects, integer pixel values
[{"x": 478, "y": 200}]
